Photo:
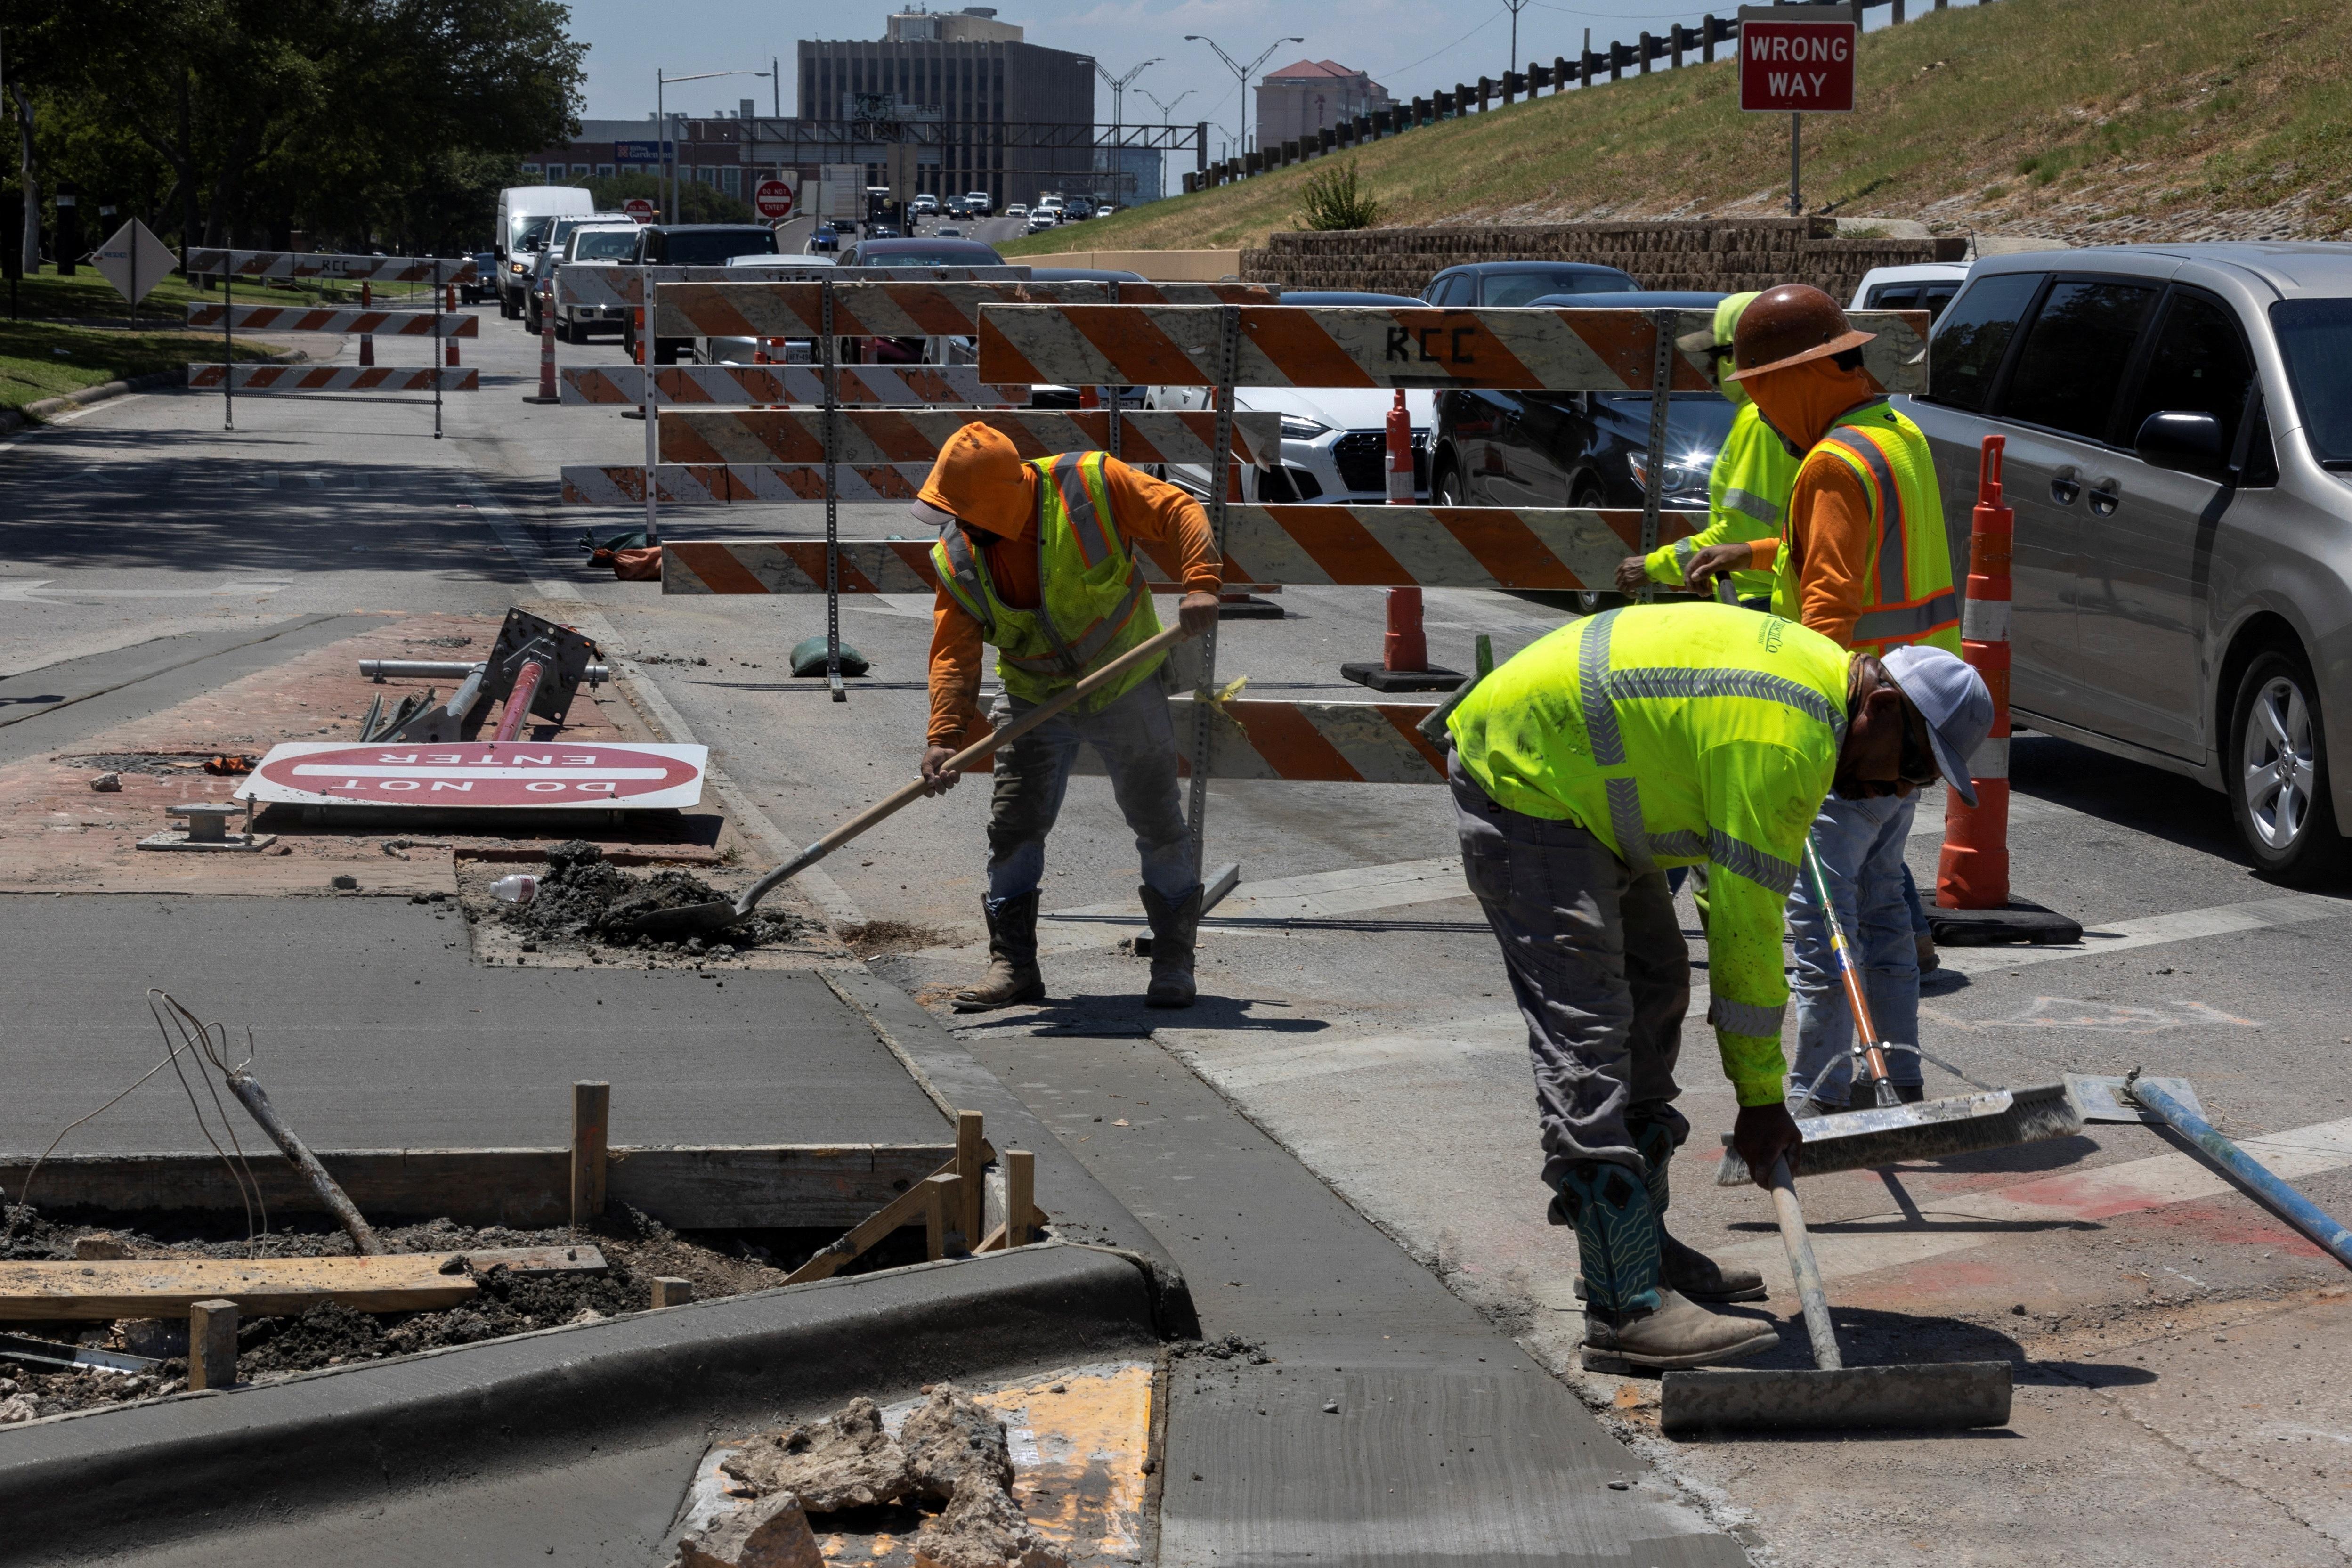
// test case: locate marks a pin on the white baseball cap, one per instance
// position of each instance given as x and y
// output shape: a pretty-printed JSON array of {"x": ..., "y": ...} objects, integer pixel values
[{"x": 1953, "y": 700}]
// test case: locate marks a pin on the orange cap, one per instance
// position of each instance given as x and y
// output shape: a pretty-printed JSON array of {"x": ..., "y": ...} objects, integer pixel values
[{"x": 979, "y": 479}]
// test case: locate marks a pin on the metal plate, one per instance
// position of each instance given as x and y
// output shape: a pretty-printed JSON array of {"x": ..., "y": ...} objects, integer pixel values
[{"x": 2102, "y": 1099}]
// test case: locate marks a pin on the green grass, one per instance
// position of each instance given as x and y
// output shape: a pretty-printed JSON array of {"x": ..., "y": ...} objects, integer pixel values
[
  {"x": 2031, "y": 116},
  {"x": 46, "y": 359},
  {"x": 86, "y": 296}
]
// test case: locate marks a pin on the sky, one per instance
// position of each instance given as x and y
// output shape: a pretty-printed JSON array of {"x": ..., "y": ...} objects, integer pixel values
[{"x": 1409, "y": 46}]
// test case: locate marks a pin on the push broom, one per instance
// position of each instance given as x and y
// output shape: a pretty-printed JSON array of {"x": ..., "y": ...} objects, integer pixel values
[{"x": 1891, "y": 1132}]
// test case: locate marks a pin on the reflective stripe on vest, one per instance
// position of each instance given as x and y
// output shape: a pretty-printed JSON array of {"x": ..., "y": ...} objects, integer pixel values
[{"x": 1908, "y": 606}]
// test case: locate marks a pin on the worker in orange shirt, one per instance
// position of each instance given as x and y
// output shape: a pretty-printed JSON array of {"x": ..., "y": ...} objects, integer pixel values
[
  {"x": 1864, "y": 560},
  {"x": 1034, "y": 559}
]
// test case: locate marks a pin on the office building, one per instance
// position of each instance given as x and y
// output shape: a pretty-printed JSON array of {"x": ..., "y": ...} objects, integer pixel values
[{"x": 1306, "y": 96}]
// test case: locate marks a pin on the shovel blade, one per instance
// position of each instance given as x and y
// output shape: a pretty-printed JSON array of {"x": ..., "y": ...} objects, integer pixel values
[
  {"x": 683, "y": 921},
  {"x": 1939, "y": 1395}
]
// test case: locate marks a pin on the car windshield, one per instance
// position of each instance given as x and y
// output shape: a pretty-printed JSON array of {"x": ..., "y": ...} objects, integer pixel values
[
  {"x": 1518, "y": 287},
  {"x": 2315, "y": 338},
  {"x": 528, "y": 233},
  {"x": 604, "y": 245},
  {"x": 713, "y": 248}
]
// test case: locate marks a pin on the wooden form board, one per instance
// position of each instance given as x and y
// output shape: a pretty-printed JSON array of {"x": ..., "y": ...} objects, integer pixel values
[
  {"x": 167, "y": 1288},
  {"x": 714, "y": 1187}
]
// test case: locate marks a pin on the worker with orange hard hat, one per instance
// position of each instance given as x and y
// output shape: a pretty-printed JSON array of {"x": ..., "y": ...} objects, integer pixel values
[
  {"x": 1863, "y": 559},
  {"x": 1036, "y": 559}
]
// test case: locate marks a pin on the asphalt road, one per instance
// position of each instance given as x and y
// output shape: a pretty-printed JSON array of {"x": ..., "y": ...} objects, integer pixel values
[{"x": 2177, "y": 1349}]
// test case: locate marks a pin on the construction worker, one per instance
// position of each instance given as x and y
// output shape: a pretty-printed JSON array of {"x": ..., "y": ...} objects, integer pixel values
[
  {"x": 1618, "y": 746},
  {"x": 1866, "y": 562},
  {"x": 1034, "y": 558},
  {"x": 1747, "y": 489}
]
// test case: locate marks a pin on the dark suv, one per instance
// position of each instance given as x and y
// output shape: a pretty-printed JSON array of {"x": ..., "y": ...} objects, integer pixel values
[{"x": 1523, "y": 282}]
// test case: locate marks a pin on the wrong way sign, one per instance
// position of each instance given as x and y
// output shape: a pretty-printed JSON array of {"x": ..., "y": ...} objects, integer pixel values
[
  {"x": 1789, "y": 66},
  {"x": 774, "y": 198},
  {"x": 505, "y": 776}
]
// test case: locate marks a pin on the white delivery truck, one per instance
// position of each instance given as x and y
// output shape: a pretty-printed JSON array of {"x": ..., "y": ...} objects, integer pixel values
[{"x": 525, "y": 214}]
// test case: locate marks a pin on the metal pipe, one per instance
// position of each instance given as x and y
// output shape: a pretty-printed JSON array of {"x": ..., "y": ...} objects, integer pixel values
[
  {"x": 518, "y": 708},
  {"x": 446, "y": 669},
  {"x": 2282, "y": 1200}
]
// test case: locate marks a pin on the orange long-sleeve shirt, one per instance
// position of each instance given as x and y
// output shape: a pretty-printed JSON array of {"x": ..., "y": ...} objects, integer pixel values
[
  {"x": 1830, "y": 530},
  {"x": 1147, "y": 511}
]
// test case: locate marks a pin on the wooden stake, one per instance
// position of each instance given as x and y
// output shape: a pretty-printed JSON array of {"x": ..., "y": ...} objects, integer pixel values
[
  {"x": 1020, "y": 1194},
  {"x": 942, "y": 1201},
  {"x": 212, "y": 1344},
  {"x": 672, "y": 1292},
  {"x": 247, "y": 1089},
  {"x": 971, "y": 1156},
  {"x": 591, "y": 1105}
]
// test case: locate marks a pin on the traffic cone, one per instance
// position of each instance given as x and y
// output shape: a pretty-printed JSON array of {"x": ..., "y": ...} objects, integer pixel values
[
  {"x": 1973, "y": 907},
  {"x": 1404, "y": 652},
  {"x": 547, "y": 393},
  {"x": 367, "y": 339}
]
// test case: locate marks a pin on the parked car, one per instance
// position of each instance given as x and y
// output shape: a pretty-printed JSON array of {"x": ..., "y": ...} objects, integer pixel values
[
  {"x": 1924, "y": 286},
  {"x": 745, "y": 351},
  {"x": 547, "y": 243},
  {"x": 1520, "y": 282},
  {"x": 2178, "y": 425},
  {"x": 486, "y": 278},
  {"x": 692, "y": 244},
  {"x": 1576, "y": 448},
  {"x": 929, "y": 251},
  {"x": 524, "y": 213},
  {"x": 1334, "y": 440},
  {"x": 1018, "y": 209},
  {"x": 593, "y": 244}
]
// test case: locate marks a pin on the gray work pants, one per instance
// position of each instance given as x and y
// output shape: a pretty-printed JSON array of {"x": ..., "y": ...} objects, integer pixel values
[
  {"x": 1136, "y": 739},
  {"x": 1599, "y": 969}
]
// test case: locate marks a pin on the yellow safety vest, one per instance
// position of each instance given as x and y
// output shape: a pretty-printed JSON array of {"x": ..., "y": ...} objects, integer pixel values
[
  {"x": 1095, "y": 604},
  {"x": 1747, "y": 496},
  {"x": 1909, "y": 593}
]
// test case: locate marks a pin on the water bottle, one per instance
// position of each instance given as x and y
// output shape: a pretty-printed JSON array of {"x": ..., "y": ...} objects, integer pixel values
[{"x": 517, "y": 888}]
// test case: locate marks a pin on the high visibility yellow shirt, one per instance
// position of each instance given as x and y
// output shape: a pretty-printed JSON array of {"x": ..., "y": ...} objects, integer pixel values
[
  {"x": 1680, "y": 734},
  {"x": 1747, "y": 496}
]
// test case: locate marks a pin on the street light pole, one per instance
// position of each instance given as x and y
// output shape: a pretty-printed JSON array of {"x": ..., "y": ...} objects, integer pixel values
[
  {"x": 661, "y": 129},
  {"x": 1118, "y": 119},
  {"x": 1514, "y": 7},
  {"x": 1242, "y": 74}
]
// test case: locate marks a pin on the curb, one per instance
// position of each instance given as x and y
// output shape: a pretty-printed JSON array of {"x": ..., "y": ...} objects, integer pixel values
[
  {"x": 14, "y": 419},
  {"x": 210, "y": 1464}
]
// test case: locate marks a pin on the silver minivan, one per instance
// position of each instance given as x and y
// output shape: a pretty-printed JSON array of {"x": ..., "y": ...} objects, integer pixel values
[{"x": 2179, "y": 456}]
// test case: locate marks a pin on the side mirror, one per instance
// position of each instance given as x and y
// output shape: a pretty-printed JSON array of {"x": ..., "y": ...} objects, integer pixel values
[{"x": 2185, "y": 443}]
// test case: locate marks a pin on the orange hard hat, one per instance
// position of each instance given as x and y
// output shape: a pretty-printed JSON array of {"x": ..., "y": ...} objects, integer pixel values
[
  {"x": 1789, "y": 325},
  {"x": 979, "y": 479}
]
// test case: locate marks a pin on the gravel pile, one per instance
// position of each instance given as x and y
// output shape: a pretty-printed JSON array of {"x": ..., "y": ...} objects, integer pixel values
[{"x": 584, "y": 897}]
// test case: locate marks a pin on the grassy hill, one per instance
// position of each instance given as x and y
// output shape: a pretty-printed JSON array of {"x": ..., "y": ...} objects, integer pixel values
[{"x": 2091, "y": 119}]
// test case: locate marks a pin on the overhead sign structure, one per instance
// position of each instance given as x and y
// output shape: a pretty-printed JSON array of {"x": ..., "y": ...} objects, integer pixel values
[
  {"x": 504, "y": 775},
  {"x": 774, "y": 198},
  {"x": 1790, "y": 67},
  {"x": 639, "y": 208},
  {"x": 134, "y": 262}
]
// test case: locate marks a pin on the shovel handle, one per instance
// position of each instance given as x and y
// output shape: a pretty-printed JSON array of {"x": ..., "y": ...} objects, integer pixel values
[
  {"x": 1849, "y": 975},
  {"x": 1806, "y": 1272},
  {"x": 907, "y": 793}
]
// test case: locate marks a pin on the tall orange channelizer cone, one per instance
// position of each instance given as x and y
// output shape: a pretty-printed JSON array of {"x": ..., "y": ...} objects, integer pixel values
[
  {"x": 547, "y": 393},
  {"x": 1404, "y": 652},
  {"x": 1972, "y": 901}
]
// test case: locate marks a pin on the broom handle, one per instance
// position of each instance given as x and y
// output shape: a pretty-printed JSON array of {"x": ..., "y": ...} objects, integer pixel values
[
  {"x": 1881, "y": 1086},
  {"x": 1806, "y": 1272},
  {"x": 907, "y": 795}
]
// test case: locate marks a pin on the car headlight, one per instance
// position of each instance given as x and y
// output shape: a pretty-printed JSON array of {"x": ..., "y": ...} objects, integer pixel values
[
  {"x": 1298, "y": 428},
  {"x": 1686, "y": 473}
]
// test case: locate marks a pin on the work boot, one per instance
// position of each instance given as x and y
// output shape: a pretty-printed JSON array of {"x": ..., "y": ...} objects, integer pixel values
[
  {"x": 1925, "y": 945},
  {"x": 1174, "y": 928},
  {"x": 1012, "y": 977},
  {"x": 1685, "y": 1269},
  {"x": 1631, "y": 1318}
]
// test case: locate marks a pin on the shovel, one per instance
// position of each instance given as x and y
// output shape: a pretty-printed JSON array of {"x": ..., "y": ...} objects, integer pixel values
[
  {"x": 1923, "y": 1395},
  {"x": 1891, "y": 1132},
  {"x": 719, "y": 913}
]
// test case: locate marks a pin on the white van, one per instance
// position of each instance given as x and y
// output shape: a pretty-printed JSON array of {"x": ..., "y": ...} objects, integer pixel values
[{"x": 524, "y": 212}]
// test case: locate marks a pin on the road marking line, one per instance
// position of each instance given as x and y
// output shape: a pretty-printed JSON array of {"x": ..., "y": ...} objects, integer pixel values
[
  {"x": 2186, "y": 925},
  {"x": 2065, "y": 1200}
]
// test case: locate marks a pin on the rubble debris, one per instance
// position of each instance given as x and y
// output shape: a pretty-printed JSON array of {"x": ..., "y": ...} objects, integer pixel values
[
  {"x": 770, "y": 1532},
  {"x": 843, "y": 1461},
  {"x": 951, "y": 1436},
  {"x": 983, "y": 1527},
  {"x": 584, "y": 897},
  {"x": 101, "y": 1244},
  {"x": 107, "y": 783}
]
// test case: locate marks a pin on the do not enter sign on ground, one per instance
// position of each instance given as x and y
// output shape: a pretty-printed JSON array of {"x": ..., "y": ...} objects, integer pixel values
[
  {"x": 639, "y": 208},
  {"x": 504, "y": 775},
  {"x": 1789, "y": 66},
  {"x": 774, "y": 198}
]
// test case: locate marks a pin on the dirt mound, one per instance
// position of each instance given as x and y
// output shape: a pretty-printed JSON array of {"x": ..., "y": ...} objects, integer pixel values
[{"x": 584, "y": 896}]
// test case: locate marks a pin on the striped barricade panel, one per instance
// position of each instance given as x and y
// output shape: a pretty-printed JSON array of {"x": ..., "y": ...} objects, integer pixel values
[
  {"x": 746, "y": 484},
  {"x": 315, "y": 264},
  {"x": 876, "y": 385},
  {"x": 1431, "y": 547},
  {"x": 337, "y": 378},
  {"x": 1521, "y": 349},
  {"x": 896, "y": 309},
  {"x": 380, "y": 323},
  {"x": 591, "y": 283},
  {"x": 1310, "y": 742},
  {"x": 874, "y": 435},
  {"x": 797, "y": 567}
]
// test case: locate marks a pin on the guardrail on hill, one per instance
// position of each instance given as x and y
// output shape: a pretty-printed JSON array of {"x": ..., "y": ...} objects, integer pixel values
[{"x": 1593, "y": 67}]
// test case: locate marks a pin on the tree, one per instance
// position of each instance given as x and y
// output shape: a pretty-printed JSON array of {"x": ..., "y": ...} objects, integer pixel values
[{"x": 696, "y": 203}]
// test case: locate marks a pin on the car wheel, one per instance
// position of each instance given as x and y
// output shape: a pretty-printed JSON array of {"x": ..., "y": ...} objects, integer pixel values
[
  {"x": 1446, "y": 489},
  {"x": 507, "y": 307},
  {"x": 2277, "y": 772},
  {"x": 1587, "y": 497}
]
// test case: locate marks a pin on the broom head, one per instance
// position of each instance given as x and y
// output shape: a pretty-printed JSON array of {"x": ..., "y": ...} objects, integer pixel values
[{"x": 1930, "y": 1130}]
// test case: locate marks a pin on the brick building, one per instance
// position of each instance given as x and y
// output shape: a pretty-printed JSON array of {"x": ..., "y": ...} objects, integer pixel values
[{"x": 1306, "y": 96}]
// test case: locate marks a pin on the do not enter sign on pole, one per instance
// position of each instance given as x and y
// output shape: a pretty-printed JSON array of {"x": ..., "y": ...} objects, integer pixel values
[
  {"x": 774, "y": 198},
  {"x": 1791, "y": 66},
  {"x": 638, "y": 208}
]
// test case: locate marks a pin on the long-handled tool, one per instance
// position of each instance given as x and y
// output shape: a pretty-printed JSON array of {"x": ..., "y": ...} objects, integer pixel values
[
  {"x": 720, "y": 913},
  {"x": 1926, "y": 1394},
  {"x": 1892, "y": 1132}
]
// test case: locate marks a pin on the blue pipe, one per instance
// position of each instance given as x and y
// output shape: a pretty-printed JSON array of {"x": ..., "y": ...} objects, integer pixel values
[{"x": 2289, "y": 1204}]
